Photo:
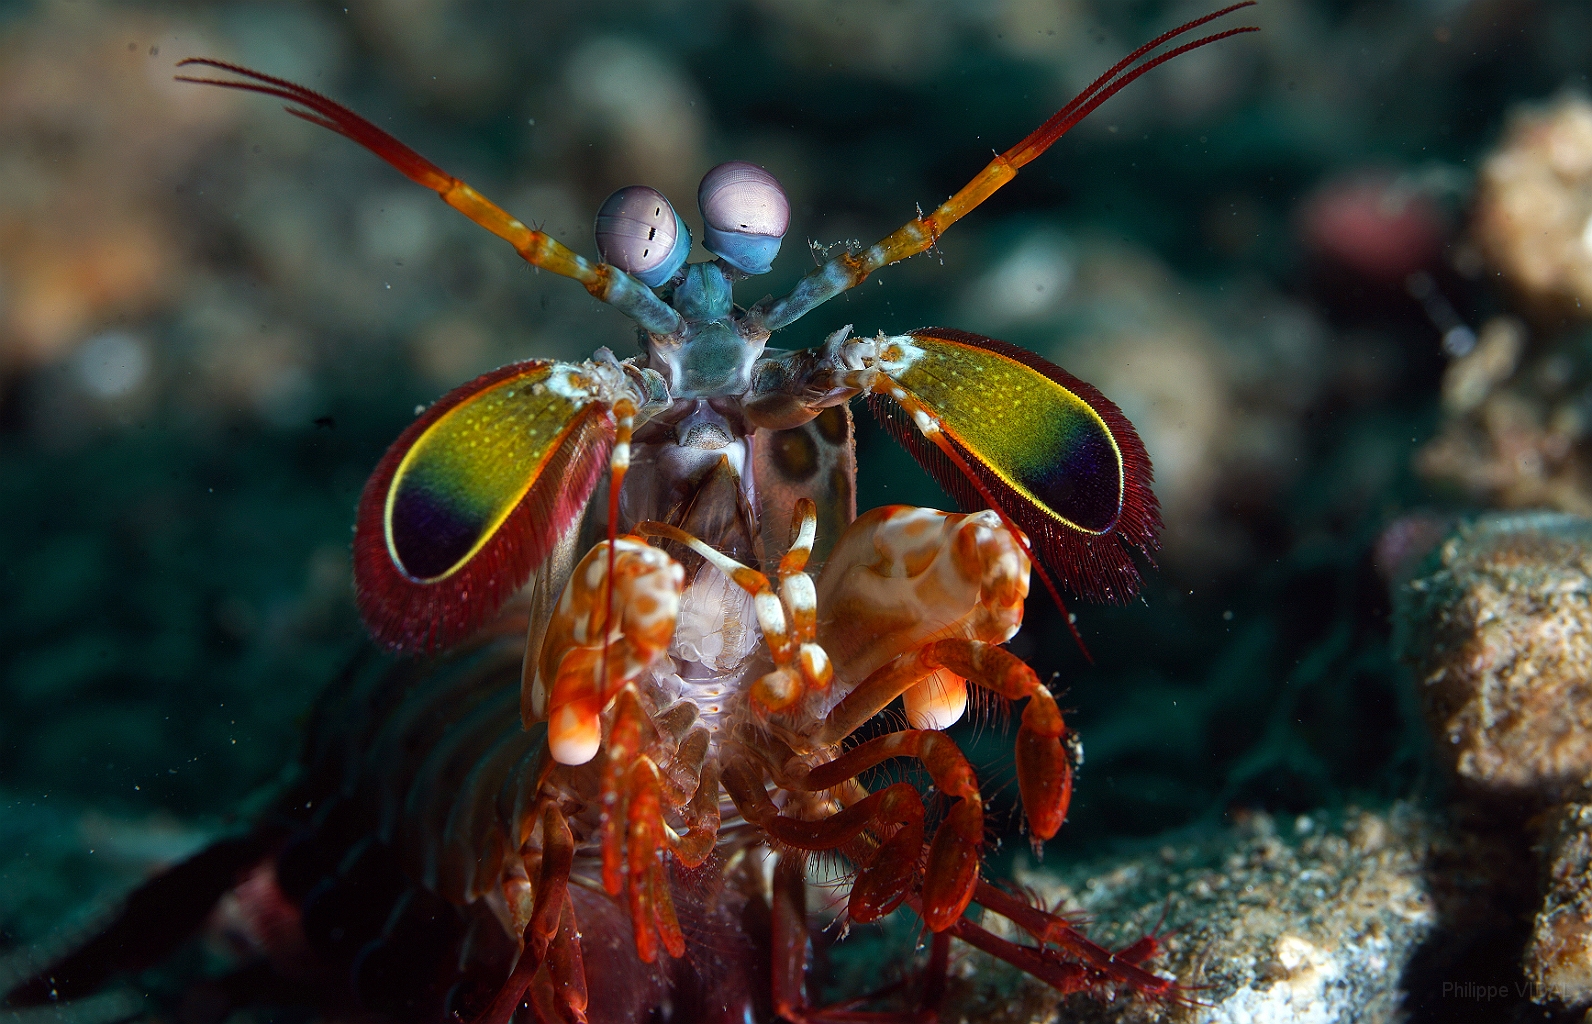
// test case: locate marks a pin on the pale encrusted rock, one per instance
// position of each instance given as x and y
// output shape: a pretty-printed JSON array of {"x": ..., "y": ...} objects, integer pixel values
[
  {"x": 1498, "y": 629},
  {"x": 1512, "y": 429},
  {"x": 1533, "y": 216}
]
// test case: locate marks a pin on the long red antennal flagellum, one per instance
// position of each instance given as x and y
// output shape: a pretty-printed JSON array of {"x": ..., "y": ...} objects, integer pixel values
[
  {"x": 1116, "y": 69},
  {"x": 1114, "y": 81},
  {"x": 329, "y": 114},
  {"x": 605, "y": 283}
]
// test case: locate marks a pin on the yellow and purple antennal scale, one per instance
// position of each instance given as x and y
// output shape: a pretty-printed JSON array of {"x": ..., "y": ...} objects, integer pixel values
[{"x": 464, "y": 505}]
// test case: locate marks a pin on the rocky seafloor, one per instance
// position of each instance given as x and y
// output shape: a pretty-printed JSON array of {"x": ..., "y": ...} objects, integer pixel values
[{"x": 1338, "y": 273}]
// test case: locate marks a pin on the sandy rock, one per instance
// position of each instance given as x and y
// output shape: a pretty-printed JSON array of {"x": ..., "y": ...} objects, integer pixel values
[
  {"x": 1316, "y": 921},
  {"x": 1498, "y": 629}
]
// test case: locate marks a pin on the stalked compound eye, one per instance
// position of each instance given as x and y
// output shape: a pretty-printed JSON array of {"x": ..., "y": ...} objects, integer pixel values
[
  {"x": 639, "y": 232},
  {"x": 745, "y": 213}
]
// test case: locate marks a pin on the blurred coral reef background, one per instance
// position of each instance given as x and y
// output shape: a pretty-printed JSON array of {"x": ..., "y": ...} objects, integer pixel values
[{"x": 1334, "y": 272}]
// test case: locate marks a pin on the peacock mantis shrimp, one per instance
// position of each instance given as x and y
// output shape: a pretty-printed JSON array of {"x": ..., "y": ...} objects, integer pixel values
[{"x": 628, "y": 730}]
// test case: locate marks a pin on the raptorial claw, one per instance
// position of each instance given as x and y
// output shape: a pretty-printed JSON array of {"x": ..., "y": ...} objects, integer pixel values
[
  {"x": 651, "y": 908},
  {"x": 915, "y": 603},
  {"x": 586, "y": 659},
  {"x": 887, "y": 877}
]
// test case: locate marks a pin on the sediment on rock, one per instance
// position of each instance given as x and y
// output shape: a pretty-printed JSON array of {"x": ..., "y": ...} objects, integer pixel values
[{"x": 1304, "y": 920}]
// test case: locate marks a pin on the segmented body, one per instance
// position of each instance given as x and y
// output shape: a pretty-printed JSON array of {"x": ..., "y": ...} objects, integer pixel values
[{"x": 415, "y": 849}]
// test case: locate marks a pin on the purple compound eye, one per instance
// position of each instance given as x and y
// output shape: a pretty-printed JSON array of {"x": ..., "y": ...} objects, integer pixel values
[
  {"x": 745, "y": 213},
  {"x": 639, "y": 232}
]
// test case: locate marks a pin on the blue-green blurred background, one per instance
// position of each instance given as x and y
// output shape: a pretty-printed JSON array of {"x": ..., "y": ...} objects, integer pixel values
[{"x": 214, "y": 317}]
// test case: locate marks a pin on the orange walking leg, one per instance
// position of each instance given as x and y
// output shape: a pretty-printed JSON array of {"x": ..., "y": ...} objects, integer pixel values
[
  {"x": 952, "y": 869},
  {"x": 894, "y": 815},
  {"x": 548, "y": 915},
  {"x": 1044, "y": 769}
]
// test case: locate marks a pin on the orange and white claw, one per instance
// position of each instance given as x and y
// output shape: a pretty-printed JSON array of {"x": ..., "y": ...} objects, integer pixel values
[
  {"x": 902, "y": 577},
  {"x": 585, "y": 659}
]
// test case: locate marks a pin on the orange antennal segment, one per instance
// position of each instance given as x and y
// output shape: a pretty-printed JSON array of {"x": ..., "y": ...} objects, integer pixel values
[
  {"x": 605, "y": 283},
  {"x": 848, "y": 270}
]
